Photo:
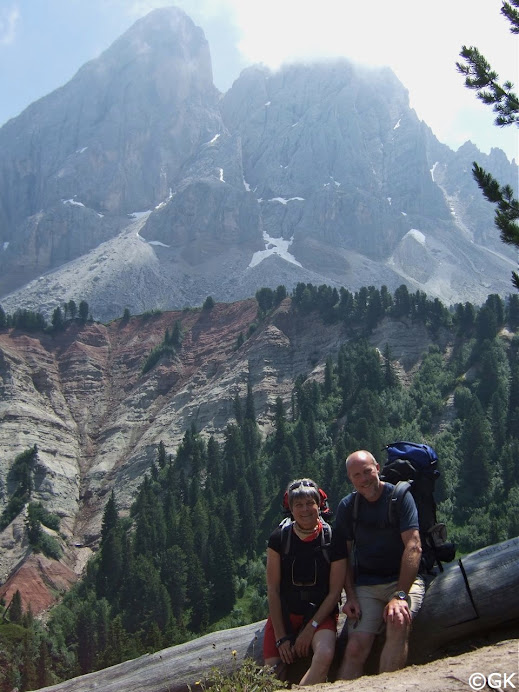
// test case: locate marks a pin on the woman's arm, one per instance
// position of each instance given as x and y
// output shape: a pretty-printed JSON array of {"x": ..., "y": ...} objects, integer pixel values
[
  {"x": 336, "y": 582},
  {"x": 274, "y": 601}
]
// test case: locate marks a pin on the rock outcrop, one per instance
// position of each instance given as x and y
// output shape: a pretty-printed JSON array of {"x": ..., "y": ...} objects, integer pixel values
[
  {"x": 316, "y": 173},
  {"x": 81, "y": 397},
  {"x": 111, "y": 142}
]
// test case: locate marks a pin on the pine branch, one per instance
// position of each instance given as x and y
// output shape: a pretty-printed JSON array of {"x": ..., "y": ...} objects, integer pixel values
[
  {"x": 507, "y": 211},
  {"x": 480, "y": 76},
  {"x": 511, "y": 14}
]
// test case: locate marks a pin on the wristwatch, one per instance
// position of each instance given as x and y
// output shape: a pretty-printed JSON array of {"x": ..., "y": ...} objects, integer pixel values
[
  {"x": 401, "y": 595},
  {"x": 315, "y": 624}
]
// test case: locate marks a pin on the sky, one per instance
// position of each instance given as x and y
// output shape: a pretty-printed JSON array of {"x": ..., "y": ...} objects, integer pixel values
[{"x": 43, "y": 43}]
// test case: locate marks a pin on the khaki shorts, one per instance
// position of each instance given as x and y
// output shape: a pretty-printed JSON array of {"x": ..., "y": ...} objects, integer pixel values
[{"x": 374, "y": 598}]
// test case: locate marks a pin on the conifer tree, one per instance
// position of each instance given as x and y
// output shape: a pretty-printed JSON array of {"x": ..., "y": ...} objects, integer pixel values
[
  {"x": 86, "y": 635},
  {"x": 83, "y": 311},
  {"x": 222, "y": 570},
  {"x": 15, "y": 608},
  {"x": 198, "y": 592},
  {"x": 214, "y": 465},
  {"x": 57, "y": 321},
  {"x": 109, "y": 574},
  {"x": 280, "y": 424},
  {"x": 248, "y": 519},
  {"x": 328, "y": 376},
  {"x": 476, "y": 445},
  {"x": 44, "y": 677},
  {"x": 29, "y": 672},
  {"x": 512, "y": 312},
  {"x": 72, "y": 309},
  {"x": 175, "y": 573},
  {"x": 480, "y": 76}
]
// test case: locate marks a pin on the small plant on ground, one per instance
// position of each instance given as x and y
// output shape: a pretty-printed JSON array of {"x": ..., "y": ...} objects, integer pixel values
[{"x": 249, "y": 677}]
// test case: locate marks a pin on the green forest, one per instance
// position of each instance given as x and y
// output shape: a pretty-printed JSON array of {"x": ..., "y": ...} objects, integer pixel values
[{"x": 189, "y": 559}]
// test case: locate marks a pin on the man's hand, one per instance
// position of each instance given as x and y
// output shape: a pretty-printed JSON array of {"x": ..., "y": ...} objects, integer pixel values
[
  {"x": 397, "y": 612},
  {"x": 352, "y": 609}
]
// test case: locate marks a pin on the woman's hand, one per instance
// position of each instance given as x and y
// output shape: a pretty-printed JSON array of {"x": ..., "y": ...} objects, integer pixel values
[
  {"x": 286, "y": 652},
  {"x": 304, "y": 641}
]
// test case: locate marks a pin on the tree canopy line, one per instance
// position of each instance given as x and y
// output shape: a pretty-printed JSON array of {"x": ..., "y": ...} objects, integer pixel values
[
  {"x": 189, "y": 557},
  {"x": 35, "y": 321}
]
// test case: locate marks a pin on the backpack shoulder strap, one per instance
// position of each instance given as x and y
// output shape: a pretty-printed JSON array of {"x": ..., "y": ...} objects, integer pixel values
[
  {"x": 286, "y": 535},
  {"x": 395, "y": 501},
  {"x": 355, "y": 512},
  {"x": 326, "y": 539}
]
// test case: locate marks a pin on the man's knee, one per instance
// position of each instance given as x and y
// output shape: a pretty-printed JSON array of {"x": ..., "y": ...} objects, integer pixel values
[
  {"x": 397, "y": 631},
  {"x": 357, "y": 649}
]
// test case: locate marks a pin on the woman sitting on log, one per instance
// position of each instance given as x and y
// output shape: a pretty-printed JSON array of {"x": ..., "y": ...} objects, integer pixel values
[{"x": 304, "y": 583}]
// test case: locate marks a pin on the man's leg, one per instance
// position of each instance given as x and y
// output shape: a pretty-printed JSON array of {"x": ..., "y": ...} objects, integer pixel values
[
  {"x": 323, "y": 645},
  {"x": 357, "y": 651},
  {"x": 394, "y": 653}
]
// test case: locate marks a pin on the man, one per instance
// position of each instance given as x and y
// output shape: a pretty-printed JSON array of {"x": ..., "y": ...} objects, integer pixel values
[{"x": 383, "y": 589}]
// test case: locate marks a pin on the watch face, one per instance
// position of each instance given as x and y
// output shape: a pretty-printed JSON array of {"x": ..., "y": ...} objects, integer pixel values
[{"x": 401, "y": 595}]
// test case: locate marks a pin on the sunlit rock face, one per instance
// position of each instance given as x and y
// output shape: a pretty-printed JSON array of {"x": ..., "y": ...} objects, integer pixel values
[{"x": 139, "y": 185}]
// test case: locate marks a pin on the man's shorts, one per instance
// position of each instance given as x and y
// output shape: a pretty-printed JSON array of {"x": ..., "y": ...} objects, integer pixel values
[
  {"x": 296, "y": 621},
  {"x": 374, "y": 598}
]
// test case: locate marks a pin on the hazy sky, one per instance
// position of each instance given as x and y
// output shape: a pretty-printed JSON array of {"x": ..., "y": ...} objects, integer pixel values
[{"x": 44, "y": 42}]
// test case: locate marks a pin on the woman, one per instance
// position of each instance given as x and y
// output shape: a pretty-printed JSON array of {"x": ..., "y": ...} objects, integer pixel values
[{"x": 304, "y": 584}]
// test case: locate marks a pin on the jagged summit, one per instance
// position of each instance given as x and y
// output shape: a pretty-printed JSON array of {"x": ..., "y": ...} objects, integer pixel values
[{"x": 326, "y": 159}]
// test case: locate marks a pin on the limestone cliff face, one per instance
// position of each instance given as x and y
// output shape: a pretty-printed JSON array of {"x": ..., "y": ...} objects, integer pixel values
[
  {"x": 81, "y": 397},
  {"x": 110, "y": 142},
  {"x": 316, "y": 173},
  {"x": 340, "y": 143}
]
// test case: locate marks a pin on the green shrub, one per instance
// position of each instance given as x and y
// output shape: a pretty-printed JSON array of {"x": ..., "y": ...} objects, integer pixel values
[
  {"x": 155, "y": 355},
  {"x": 249, "y": 677},
  {"x": 38, "y": 511},
  {"x": 49, "y": 546}
]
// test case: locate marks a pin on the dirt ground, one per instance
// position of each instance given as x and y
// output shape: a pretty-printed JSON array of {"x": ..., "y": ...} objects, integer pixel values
[{"x": 489, "y": 667}]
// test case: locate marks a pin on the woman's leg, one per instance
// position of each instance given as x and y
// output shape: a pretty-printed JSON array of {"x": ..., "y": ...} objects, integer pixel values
[{"x": 323, "y": 645}]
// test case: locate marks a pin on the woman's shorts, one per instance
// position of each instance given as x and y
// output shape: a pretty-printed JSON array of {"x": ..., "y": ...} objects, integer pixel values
[{"x": 296, "y": 621}]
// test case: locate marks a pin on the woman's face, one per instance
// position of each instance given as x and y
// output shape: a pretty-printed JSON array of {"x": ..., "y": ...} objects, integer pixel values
[{"x": 305, "y": 511}]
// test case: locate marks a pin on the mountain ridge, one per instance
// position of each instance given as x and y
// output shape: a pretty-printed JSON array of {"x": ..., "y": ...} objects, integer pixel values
[{"x": 326, "y": 157}]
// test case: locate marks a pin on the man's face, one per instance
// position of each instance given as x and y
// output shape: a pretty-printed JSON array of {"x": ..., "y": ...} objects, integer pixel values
[{"x": 363, "y": 473}]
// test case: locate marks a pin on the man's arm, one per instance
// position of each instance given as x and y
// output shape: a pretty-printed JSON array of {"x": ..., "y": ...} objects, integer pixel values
[
  {"x": 396, "y": 609},
  {"x": 351, "y": 608}
]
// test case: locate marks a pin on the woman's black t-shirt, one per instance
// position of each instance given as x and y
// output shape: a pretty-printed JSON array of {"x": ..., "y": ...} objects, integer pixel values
[{"x": 305, "y": 571}]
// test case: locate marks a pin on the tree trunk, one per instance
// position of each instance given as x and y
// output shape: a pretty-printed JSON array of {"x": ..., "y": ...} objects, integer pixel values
[{"x": 473, "y": 595}]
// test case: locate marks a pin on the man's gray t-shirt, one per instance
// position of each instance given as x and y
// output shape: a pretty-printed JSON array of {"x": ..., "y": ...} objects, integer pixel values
[{"x": 378, "y": 544}]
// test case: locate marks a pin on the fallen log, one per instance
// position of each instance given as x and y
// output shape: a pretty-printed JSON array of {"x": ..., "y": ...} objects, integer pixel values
[
  {"x": 176, "y": 668},
  {"x": 470, "y": 597}
]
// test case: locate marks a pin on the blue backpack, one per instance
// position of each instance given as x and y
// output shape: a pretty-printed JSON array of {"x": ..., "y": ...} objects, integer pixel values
[{"x": 413, "y": 468}]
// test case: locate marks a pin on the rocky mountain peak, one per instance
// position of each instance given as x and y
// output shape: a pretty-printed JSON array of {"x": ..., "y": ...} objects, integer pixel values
[{"x": 317, "y": 172}]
